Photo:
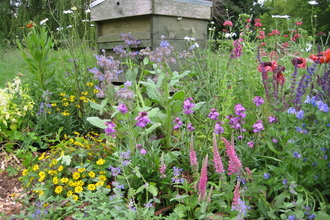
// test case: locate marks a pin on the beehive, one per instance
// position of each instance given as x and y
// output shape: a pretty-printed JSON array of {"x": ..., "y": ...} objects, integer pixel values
[{"x": 148, "y": 20}]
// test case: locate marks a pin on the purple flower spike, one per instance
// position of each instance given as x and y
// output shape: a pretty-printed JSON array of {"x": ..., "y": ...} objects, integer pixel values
[{"x": 258, "y": 100}]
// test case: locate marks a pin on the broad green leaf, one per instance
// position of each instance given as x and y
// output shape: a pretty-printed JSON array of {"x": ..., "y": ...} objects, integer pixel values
[
  {"x": 152, "y": 128},
  {"x": 65, "y": 159},
  {"x": 96, "y": 121},
  {"x": 152, "y": 189},
  {"x": 198, "y": 106},
  {"x": 95, "y": 105},
  {"x": 179, "y": 95}
]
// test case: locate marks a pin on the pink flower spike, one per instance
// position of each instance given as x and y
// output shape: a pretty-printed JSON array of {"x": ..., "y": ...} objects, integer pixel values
[
  {"x": 203, "y": 179},
  {"x": 192, "y": 154},
  {"x": 216, "y": 157},
  {"x": 234, "y": 165}
]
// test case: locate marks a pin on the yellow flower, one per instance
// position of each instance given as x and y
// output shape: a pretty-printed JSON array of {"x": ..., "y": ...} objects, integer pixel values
[
  {"x": 102, "y": 178},
  {"x": 65, "y": 104},
  {"x": 65, "y": 113},
  {"x": 99, "y": 184},
  {"x": 46, "y": 204},
  {"x": 41, "y": 193},
  {"x": 71, "y": 183},
  {"x": 25, "y": 172},
  {"x": 58, "y": 109},
  {"x": 80, "y": 170},
  {"x": 42, "y": 156},
  {"x": 64, "y": 180},
  {"x": 90, "y": 84},
  {"x": 78, "y": 189},
  {"x": 102, "y": 172},
  {"x": 95, "y": 91},
  {"x": 76, "y": 175},
  {"x": 78, "y": 106},
  {"x": 58, "y": 189},
  {"x": 108, "y": 187},
  {"x": 62, "y": 94},
  {"x": 80, "y": 183},
  {"x": 91, "y": 187},
  {"x": 75, "y": 197},
  {"x": 91, "y": 174},
  {"x": 55, "y": 180},
  {"x": 84, "y": 93},
  {"x": 70, "y": 193},
  {"x": 54, "y": 104},
  {"x": 54, "y": 162},
  {"x": 100, "y": 162},
  {"x": 35, "y": 167},
  {"x": 74, "y": 8},
  {"x": 42, "y": 176},
  {"x": 60, "y": 168}
]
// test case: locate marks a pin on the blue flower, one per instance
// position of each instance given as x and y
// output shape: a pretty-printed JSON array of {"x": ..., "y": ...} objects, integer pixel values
[
  {"x": 285, "y": 181},
  {"x": 312, "y": 216},
  {"x": 296, "y": 155},
  {"x": 266, "y": 176},
  {"x": 291, "y": 110},
  {"x": 300, "y": 114},
  {"x": 291, "y": 217}
]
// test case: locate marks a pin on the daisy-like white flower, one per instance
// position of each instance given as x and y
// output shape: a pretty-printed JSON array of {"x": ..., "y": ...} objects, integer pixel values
[{"x": 43, "y": 21}]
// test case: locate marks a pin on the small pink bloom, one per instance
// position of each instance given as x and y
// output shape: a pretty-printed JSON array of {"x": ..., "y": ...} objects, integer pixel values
[
  {"x": 298, "y": 23},
  {"x": 263, "y": 44},
  {"x": 293, "y": 39},
  {"x": 285, "y": 35},
  {"x": 248, "y": 20},
  {"x": 228, "y": 23},
  {"x": 203, "y": 179},
  {"x": 257, "y": 20},
  {"x": 258, "y": 24},
  {"x": 276, "y": 32},
  {"x": 296, "y": 36}
]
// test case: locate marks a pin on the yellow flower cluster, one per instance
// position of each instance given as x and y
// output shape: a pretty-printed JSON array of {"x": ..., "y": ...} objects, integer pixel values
[{"x": 69, "y": 180}]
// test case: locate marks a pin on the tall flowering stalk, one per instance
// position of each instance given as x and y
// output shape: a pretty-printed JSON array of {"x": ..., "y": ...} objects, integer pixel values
[
  {"x": 235, "y": 164},
  {"x": 192, "y": 154},
  {"x": 216, "y": 157},
  {"x": 203, "y": 180}
]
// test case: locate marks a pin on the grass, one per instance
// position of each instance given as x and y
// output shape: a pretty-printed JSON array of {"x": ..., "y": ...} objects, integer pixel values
[{"x": 10, "y": 65}]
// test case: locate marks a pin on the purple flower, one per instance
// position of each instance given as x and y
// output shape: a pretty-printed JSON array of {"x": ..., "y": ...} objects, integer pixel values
[
  {"x": 178, "y": 123},
  {"x": 117, "y": 185},
  {"x": 148, "y": 205},
  {"x": 218, "y": 129},
  {"x": 239, "y": 110},
  {"x": 213, "y": 114},
  {"x": 162, "y": 169},
  {"x": 190, "y": 127},
  {"x": 114, "y": 171},
  {"x": 272, "y": 119},
  {"x": 250, "y": 144},
  {"x": 296, "y": 155},
  {"x": 110, "y": 128},
  {"x": 188, "y": 105},
  {"x": 291, "y": 217},
  {"x": 142, "y": 119},
  {"x": 176, "y": 173},
  {"x": 258, "y": 126},
  {"x": 285, "y": 181},
  {"x": 122, "y": 108},
  {"x": 143, "y": 151},
  {"x": 312, "y": 216},
  {"x": 274, "y": 140},
  {"x": 258, "y": 100},
  {"x": 300, "y": 114}
]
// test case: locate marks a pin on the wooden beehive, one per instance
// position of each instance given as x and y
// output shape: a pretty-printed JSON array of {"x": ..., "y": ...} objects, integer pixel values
[{"x": 148, "y": 20}]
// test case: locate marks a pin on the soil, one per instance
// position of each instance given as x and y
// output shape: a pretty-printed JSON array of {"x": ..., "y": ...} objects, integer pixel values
[{"x": 11, "y": 190}]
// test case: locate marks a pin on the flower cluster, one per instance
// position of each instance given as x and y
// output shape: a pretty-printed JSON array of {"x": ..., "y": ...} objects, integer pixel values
[
  {"x": 177, "y": 176},
  {"x": 66, "y": 177}
]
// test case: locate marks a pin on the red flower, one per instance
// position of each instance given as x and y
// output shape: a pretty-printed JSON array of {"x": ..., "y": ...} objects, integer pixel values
[
  {"x": 298, "y": 23},
  {"x": 248, "y": 20},
  {"x": 228, "y": 23},
  {"x": 285, "y": 35},
  {"x": 257, "y": 20},
  {"x": 299, "y": 61},
  {"x": 30, "y": 25},
  {"x": 296, "y": 36},
  {"x": 265, "y": 67},
  {"x": 322, "y": 57},
  {"x": 279, "y": 76},
  {"x": 276, "y": 32}
]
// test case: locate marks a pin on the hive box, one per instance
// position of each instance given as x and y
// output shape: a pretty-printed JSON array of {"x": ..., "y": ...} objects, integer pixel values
[{"x": 148, "y": 20}]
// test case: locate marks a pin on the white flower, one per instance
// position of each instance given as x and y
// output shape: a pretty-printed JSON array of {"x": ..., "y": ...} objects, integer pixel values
[
  {"x": 280, "y": 16},
  {"x": 87, "y": 11},
  {"x": 92, "y": 25},
  {"x": 313, "y": 2},
  {"x": 74, "y": 8},
  {"x": 230, "y": 35},
  {"x": 85, "y": 20},
  {"x": 43, "y": 21},
  {"x": 189, "y": 38},
  {"x": 70, "y": 26},
  {"x": 67, "y": 12},
  {"x": 212, "y": 22},
  {"x": 196, "y": 45},
  {"x": 309, "y": 47},
  {"x": 179, "y": 18},
  {"x": 59, "y": 28}
]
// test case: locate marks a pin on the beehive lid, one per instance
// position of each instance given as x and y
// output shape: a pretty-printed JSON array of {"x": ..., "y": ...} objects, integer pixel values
[{"x": 112, "y": 9}]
